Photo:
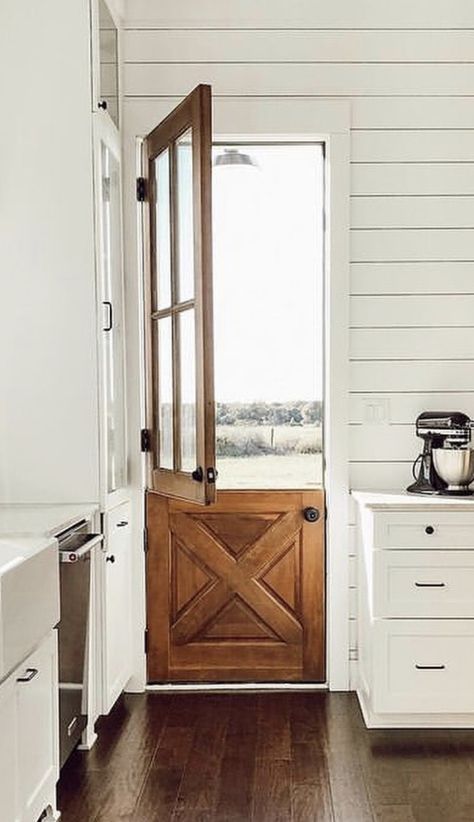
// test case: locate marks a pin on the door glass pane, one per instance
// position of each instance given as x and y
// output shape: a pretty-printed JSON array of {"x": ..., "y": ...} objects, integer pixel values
[
  {"x": 188, "y": 390},
  {"x": 165, "y": 393},
  {"x": 108, "y": 55},
  {"x": 162, "y": 279},
  {"x": 113, "y": 342},
  {"x": 268, "y": 308},
  {"x": 184, "y": 167}
]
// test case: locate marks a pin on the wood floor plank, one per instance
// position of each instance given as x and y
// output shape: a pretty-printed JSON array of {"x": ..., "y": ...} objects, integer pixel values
[
  {"x": 273, "y": 727},
  {"x": 198, "y": 792},
  {"x": 394, "y": 813},
  {"x": 238, "y": 764},
  {"x": 271, "y": 791}
]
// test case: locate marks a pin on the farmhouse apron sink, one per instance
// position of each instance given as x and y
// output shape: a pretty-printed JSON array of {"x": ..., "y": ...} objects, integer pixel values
[{"x": 29, "y": 596}]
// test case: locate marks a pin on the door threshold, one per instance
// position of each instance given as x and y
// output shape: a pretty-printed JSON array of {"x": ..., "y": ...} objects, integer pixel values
[{"x": 236, "y": 687}]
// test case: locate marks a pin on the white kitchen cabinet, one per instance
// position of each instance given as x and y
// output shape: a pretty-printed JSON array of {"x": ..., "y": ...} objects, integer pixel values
[
  {"x": 415, "y": 610},
  {"x": 116, "y": 603},
  {"x": 37, "y": 729},
  {"x": 29, "y": 761},
  {"x": 9, "y": 787}
]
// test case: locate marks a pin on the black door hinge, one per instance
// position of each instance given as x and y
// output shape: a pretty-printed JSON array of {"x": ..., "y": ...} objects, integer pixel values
[
  {"x": 145, "y": 540},
  {"x": 141, "y": 189},
  {"x": 145, "y": 439},
  {"x": 146, "y": 640}
]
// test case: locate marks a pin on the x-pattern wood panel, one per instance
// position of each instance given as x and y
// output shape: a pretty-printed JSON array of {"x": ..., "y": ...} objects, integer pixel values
[
  {"x": 237, "y": 576},
  {"x": 235, "y": 591}
]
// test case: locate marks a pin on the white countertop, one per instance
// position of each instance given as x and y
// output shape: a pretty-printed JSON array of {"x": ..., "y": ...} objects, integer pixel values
[
  {"x": 402, "y": 499},
  {"x": 41, "y": 520}
]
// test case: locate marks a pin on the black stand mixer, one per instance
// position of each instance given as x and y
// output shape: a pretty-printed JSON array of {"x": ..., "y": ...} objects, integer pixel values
[{"x": 446, "y": 465}]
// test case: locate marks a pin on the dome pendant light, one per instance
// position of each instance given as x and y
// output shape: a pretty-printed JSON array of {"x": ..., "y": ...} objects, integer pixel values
[{"x": 234, "y": 157}]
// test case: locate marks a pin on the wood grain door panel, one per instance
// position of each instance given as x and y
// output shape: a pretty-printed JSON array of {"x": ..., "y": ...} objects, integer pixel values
[{"x": 236, "y": 590}]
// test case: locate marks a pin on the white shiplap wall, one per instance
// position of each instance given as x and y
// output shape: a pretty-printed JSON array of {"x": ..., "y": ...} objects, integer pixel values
[{"x": 408, "y": 70}]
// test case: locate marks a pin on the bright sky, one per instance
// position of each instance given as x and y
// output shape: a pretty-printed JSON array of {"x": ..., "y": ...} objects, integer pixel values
[{"x": 267, "y": 225}]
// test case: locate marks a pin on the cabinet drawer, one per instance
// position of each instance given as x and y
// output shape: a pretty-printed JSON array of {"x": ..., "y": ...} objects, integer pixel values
[
  {"x": 423, "y": 583},
  {"x": 424, "y": 666},
  {"x": 419, "y": 529}
]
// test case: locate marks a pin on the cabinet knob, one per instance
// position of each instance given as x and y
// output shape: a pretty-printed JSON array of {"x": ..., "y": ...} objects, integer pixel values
[
  {"x": 429, "y": 529},
  {"x": 122, "y": 524},
  {"x": 102, "y": 104},
  {"x": 111, "y": 558}
]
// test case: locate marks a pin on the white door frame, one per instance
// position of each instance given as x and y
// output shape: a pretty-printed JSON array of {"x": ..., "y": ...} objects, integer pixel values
[{"x": 295, "y": 120}]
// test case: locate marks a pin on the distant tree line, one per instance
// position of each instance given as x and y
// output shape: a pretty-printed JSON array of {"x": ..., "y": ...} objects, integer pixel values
[{"x": 300, "y": 412}]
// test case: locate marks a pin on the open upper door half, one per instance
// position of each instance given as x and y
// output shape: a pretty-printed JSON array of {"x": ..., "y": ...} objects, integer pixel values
[{"x": 178, "y": 254}]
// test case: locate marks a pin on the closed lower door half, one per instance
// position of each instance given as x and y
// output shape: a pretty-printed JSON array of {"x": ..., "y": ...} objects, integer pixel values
[{"x": 236, "y": 590}]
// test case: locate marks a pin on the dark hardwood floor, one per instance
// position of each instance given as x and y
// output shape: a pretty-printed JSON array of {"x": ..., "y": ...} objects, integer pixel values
[{"x": 304, "y": 757}]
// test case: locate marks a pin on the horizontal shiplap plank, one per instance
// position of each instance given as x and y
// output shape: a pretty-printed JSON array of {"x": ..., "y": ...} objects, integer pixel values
[
  {"x": 397, "y": 311},
  {"x": 423, "y": 244},
  {"x": 366, "y": 112},
  {"x": 226, "y": 46},
  {"x": 411, "y": 376},
  {"x": 412, "y": 112},
  {"x": 233, "y": 115},
  {"x": 404, "y": 408},
  {"x": 412, "y": 212},
  {"x": 247, "y": 14},
  {"x": 412, "y": 178},
  {"x": 396, "y": 442},
  {"x": 412, "y": 343},
  {"x": 412, "y": 146},
  {"x": 338, "y": 79},
  {"x": 384, "y": 476},
  {"x": 412, "y": 278}
]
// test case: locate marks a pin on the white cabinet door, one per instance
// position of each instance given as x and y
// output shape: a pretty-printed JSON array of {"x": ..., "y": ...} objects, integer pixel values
[
  {"x": 116, "y": 603},
  {"x": 36, "y": 686},
  {"x": 111, "y": 310},
  {"x": 9, "y": 788}
]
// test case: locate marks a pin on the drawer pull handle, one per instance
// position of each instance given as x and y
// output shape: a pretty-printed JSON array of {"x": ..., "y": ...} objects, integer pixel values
[
  {"x": 430, "y": 584},
  {"x": 29, "y": 674},
  {"x": 430, "y": 667},
  {"x": 429, "y": 530}
]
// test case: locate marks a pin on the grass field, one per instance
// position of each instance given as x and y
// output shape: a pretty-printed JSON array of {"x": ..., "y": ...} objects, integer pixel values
[{"x": 272, "y": 470}]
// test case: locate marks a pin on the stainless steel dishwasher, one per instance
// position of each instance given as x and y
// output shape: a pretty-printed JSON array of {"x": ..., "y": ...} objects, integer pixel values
[{"x": 75, "y": 545}]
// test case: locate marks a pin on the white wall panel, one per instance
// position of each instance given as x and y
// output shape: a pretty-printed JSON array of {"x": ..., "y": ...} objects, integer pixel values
[
  {"x": 384, "y": 476},
  {"x": 413, "y": 178},
  {"x": 288, "y": 46},
  {"x": 429, "y": 310},
  {"x": 373, "y": 439},
  {"x": 412, "y": 343},
  {"x": 337, "y": 79},
  {"x": 344, "y": 14},
  {"x": 412, "y": 146},
  {"x": 443, "y": 244},
  {"x": 422, "y": 375},
  {"x": 412, "y": 112},
  {"x": 413, "y": 278},
  {"x": 412, "y": 212}
]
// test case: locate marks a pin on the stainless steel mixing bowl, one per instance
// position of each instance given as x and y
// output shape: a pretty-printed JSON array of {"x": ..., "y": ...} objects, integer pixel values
[{"x": 455, "y": 466}]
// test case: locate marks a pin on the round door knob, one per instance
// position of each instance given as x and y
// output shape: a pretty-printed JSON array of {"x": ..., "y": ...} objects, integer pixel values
[
  {"x": 110, "y": 559},
  {"x": 311, "y": 514},
  {"x": 102, "y": 104},
  {"x": 429, "y": 529}
]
